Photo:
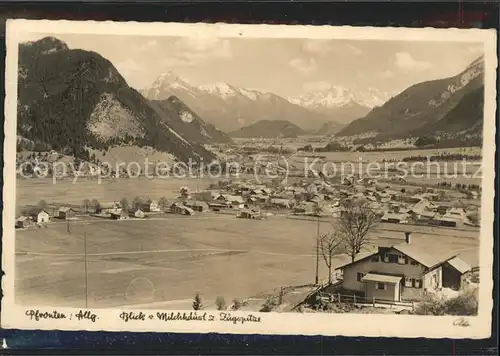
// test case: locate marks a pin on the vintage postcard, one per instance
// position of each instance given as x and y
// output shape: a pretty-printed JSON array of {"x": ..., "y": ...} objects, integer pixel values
[{"x": 249, "y": 179}]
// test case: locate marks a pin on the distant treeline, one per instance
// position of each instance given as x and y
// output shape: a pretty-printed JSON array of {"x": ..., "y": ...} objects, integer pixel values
[
  {"x": 269, "y": 149},
  {"x": 443, "y": 157},
  {"x": 459, "y": 186},
  {"x": 333, "y": 147}
]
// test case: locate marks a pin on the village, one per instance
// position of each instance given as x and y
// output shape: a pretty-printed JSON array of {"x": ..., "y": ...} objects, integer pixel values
[
  {"x": 303, "y": 198},
  {"x": 390, "y": 272}
]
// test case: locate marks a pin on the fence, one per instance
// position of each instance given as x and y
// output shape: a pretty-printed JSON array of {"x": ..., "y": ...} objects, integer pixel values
[{"x": 356, "y": 299}]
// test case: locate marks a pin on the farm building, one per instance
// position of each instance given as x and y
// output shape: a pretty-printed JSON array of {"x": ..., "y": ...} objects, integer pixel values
[
  {"x": 206, "y": 195},
  {"x": 403, "y": 271},
  {"x": 199, "y": 206},
  {"x": 305, "y": 208},
  {"x": 248, "y": 214},
  {"x": 455, "y": 271},
  {"x": 150, "y": 206},
  {"x": 280, "y": 203},
  {"x": 218, "y": 206},
  {"x": 121, "y": 215},
  {"x": 66, "y": 213},
  {"x": 442, "y": 220},
  {"x": 234, "y": 200},
  {"x": 40, "y": 216},
  {"x": 109, "y": 207},
  {"x": 138, "y": 213},
  {"x": 458, "y": 214},
  {"x": 178, "y": 208},
  {"x": 395, "y": 218},
  {"x": 23, "y": 221}
]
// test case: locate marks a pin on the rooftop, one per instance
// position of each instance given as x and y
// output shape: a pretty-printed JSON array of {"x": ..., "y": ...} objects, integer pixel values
[
  {"x": 385, "y": 278},
  {"x": 459, "y": 265},
  {"x": 420, "y": 253}
]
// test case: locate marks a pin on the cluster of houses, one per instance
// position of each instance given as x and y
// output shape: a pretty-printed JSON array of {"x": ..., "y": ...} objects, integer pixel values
[
  {"x": 39, "y": 216},
  {"x": 419, "y": 206},
  {"x": 309, "y": 198}
]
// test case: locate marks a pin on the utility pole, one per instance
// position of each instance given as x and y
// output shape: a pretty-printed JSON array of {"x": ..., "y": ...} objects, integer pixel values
[
  {"x": 317, "y": 253},
  {"x": 86, "y": 276}
]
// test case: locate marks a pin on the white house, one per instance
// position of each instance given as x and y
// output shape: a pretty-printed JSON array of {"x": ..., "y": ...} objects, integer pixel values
[
  {"x": 403, "y": 271},
  {"x": 40, "y": 216}
]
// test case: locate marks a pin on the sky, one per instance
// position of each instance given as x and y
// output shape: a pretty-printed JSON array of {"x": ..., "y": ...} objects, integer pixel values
[{"x": 287, "y": 67}]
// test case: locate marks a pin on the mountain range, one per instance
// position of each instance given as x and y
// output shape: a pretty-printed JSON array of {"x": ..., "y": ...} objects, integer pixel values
[
  {"x": 443, "y": 112},
  {"x": 343, "y": 104},
  {"x": 76, "y": 101},
  {"x": 230, "y": 108}
]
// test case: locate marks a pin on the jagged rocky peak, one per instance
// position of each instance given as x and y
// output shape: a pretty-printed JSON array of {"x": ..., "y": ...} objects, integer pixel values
[
  {"x": 49, "y": 44},
  {"x": 167, "y": 78}
]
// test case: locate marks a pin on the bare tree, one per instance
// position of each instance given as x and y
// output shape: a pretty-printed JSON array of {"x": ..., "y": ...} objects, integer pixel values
[
  {"x": 356, "y": 221},
  {"x": 329, "y": 245}
]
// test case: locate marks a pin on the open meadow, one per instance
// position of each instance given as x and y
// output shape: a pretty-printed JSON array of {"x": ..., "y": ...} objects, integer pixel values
[{"x": 170, "y": 258}]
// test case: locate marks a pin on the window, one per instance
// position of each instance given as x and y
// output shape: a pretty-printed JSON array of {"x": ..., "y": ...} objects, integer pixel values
[
  {"x": 402, "y": 259},
  {"x": 417, "y": 283},
  {"x": 414, "y": 263},
  {"x": 375, "y": 258},
  {"x": 360, "y": 276},
  {"x": 408, "y": 282},
  {"x": 386, "y": 258},
  {"x": 381, "y": 286},
  {"x": 393, "y": 258}
]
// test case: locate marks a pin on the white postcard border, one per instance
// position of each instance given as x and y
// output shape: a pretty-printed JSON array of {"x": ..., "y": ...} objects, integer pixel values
[{"x": 13, "y": 316}]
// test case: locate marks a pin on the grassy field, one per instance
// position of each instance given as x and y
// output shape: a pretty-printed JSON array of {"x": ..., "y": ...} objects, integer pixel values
[
  {"x": 31, "y": 191},
  {"x": 172, "y": 258}
]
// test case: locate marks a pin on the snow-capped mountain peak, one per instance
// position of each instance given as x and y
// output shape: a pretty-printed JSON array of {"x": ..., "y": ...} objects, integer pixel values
[
  {"x": 337, "y": 96},
  {"x": 171, "y": 80},
  {"x": 221, "y": 88}
]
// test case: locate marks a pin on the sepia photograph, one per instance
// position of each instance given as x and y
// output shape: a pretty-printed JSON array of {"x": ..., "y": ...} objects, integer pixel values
[{"x": 265, "y": 179}]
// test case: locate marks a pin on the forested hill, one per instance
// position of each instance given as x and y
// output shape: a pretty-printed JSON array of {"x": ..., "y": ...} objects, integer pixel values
[{"x": 74, "y": 99}]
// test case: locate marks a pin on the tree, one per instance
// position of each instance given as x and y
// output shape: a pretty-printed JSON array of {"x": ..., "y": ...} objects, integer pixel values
[
  {"x": 42, "y": 204},
  {"x": 136, "y": 203},
  {"x": 163, "y": 203},
  {"x": 329, "y": 245},
  {"x": 125, "y": 205},
  {"x": 95, "y": 204},
  {"x": 197, "y": 302},
  {"x": 356, "y": 221},
  {"x": 236, "y": 304},
  {"x": 220, "y": 303},
  {"x": 86, "y": 205}
]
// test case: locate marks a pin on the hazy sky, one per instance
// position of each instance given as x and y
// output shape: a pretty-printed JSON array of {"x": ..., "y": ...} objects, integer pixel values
[{"x": 283, "y": 66}]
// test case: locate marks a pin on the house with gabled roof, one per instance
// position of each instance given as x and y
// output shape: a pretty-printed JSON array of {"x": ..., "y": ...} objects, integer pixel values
[
  {"x": 119, "y": 215},
  {"x": 40, "y": 216},
  {"x": 197, "y": 205},
  {"x": 66, "y": 213},
  {"x": 395, "y": 218},
  {"x": 402, "y": 271},
  {"x": 23, "y": 221},
  {"x": 455, "y": 272}
]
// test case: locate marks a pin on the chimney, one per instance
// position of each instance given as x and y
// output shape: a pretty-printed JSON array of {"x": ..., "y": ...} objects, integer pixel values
[{"x": 407, "y": 237}]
